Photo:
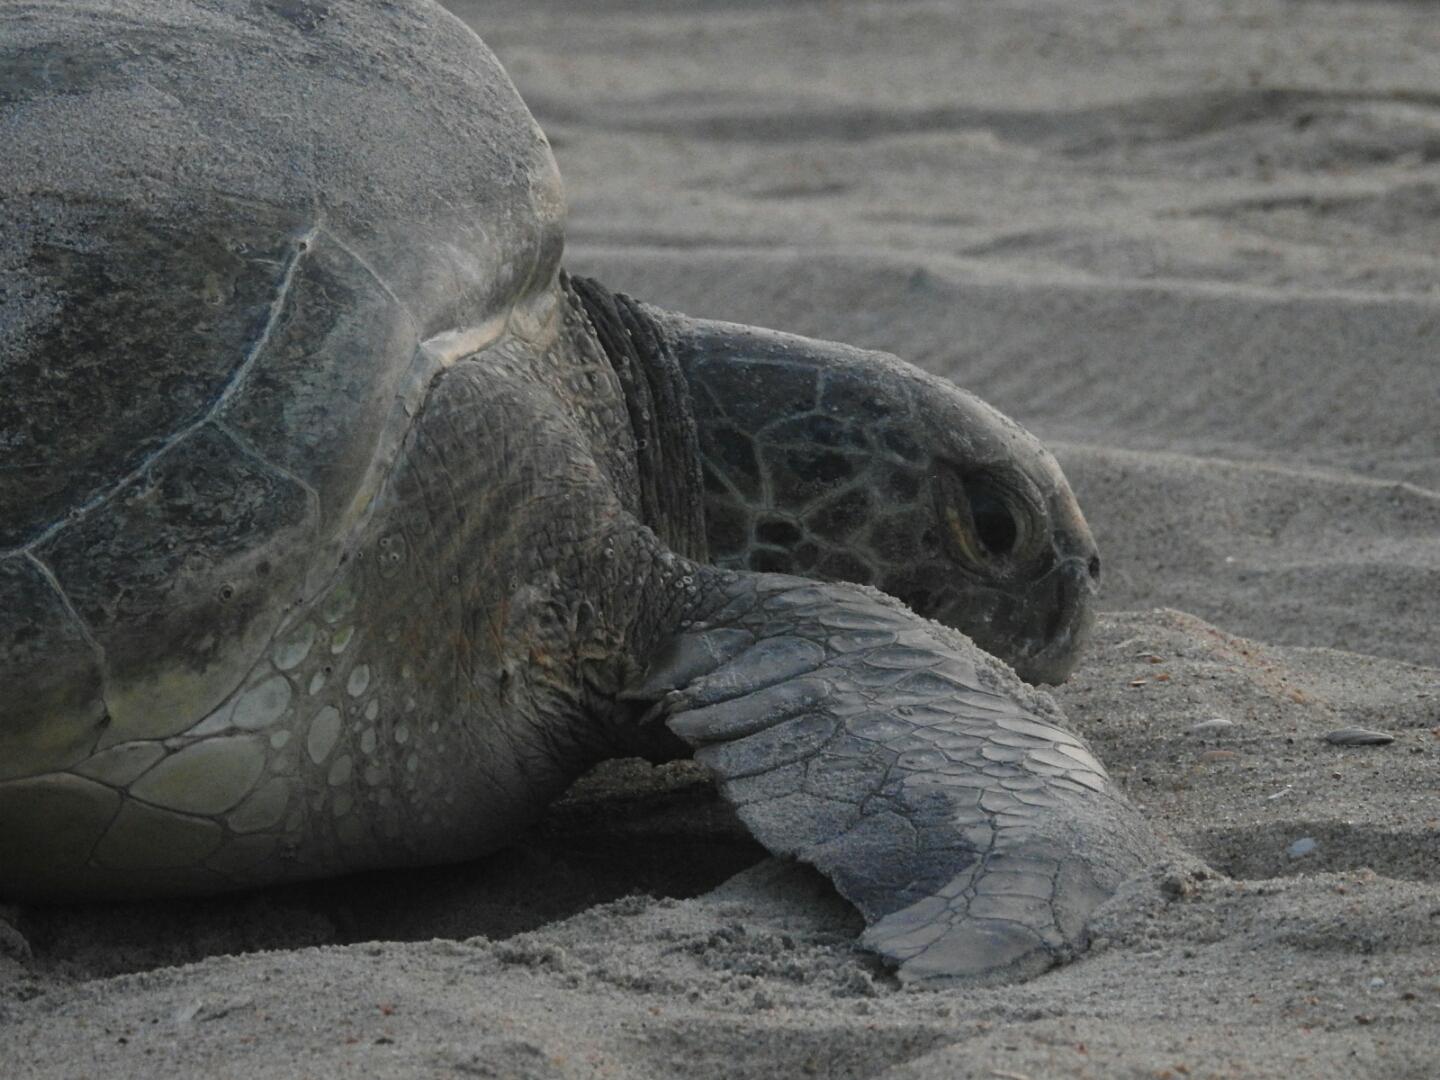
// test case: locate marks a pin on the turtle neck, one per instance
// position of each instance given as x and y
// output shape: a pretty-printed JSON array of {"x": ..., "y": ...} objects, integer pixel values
[{"x": 657, "y": 397}]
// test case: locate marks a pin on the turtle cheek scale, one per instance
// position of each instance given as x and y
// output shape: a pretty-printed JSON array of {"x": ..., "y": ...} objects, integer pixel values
[
  {"x": 1063, "y": 598},
  {"x": 999, "y": 621},
  {"x": 1038, "y": 625}
]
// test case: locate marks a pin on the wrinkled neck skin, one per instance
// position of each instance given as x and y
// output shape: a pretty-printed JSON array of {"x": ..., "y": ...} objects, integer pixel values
[{"x": 662, "y": 419}]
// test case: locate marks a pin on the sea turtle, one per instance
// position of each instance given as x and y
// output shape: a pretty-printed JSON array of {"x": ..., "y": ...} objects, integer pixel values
[{"x": 340, "y": 529}]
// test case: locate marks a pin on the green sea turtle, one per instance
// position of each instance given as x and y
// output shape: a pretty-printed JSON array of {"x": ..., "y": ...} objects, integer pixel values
[{"x": 340, "y": 529}]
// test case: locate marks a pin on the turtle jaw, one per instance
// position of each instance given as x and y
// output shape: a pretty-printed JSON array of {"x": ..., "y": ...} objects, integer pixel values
[
  {"x": 1039, "y": 628},
  {"x": 1064, "y": 605},
  {"x": 1034, "y": 613},
  {"x": 1060, "y": 603}
]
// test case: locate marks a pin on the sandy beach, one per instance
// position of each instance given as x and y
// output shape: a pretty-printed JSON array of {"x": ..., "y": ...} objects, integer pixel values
[{"x": 1195, "y": 246}]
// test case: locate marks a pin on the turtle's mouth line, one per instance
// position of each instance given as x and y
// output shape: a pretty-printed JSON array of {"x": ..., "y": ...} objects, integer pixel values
[{"x": 1056, "y": 649}]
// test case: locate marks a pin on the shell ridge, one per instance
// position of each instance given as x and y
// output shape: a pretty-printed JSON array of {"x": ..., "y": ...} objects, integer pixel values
[
  {"x": 232, "y": 386},
  {"x": 429, "y": 363},
  {"x": 246, "y": 447},
  {"x": 364, "y": 264},
  {"x": 101, "y": 661}
]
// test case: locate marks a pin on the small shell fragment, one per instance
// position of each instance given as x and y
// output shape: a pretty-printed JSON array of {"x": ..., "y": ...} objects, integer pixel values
[
  {"x": 1219, "y": 755},
  {"x": 1211, "y": 727},
  {"x": 1302, "y": 847},
  {"x": 1359, "y": 736}
]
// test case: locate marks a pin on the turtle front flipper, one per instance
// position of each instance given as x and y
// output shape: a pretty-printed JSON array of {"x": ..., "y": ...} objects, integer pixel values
[{"x": 937, "y": 791}]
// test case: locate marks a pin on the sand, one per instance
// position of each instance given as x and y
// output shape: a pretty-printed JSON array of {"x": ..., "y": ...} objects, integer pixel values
[{"x": 1192, "y": 245}]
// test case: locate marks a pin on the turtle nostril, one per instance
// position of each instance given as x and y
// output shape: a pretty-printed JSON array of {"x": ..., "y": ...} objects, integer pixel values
[{"x": 1095, "y": 567}]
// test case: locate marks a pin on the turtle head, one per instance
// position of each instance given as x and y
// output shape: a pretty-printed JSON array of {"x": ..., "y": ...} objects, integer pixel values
[
  {"x": 826, "y": 461},
  {"x": 1023, "y": 569}
]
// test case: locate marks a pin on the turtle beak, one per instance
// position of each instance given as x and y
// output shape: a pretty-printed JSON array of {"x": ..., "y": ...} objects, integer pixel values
[
  {"x": 1064, "y": 602},
  {"x": 1041, "y": 629}
]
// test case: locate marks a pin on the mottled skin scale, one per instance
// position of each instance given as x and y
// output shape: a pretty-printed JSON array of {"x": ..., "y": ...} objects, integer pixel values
[
  {"x": 832, "y": 462},
  {"x": 340, "y": 529}
]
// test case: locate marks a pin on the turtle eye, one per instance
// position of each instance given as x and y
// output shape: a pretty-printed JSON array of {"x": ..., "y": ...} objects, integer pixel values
[
  {"x": 995, "y": 525},
  {"x": 988, "y": 520}
]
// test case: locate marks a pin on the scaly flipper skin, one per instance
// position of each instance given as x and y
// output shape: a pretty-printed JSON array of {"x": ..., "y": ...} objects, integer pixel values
[{"x": 920, "y": 775}]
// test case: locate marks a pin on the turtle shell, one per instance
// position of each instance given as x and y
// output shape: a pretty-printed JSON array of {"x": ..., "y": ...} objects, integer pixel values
[{"x": 237, "y": 239}]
